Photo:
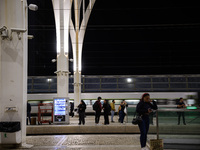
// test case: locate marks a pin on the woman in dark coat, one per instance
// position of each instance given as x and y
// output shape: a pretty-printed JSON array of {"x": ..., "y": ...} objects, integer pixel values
[
  {"x": 144, "y": 108},
  {"x": 81, "y": 111},
  {"x": 107, "y": 109}
]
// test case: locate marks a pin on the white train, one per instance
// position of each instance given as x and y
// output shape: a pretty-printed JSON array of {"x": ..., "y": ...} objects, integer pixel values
[{"x": 164, "y": 99}]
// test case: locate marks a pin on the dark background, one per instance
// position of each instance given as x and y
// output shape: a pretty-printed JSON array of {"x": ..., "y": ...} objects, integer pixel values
[{"x": 123, "y": 38}]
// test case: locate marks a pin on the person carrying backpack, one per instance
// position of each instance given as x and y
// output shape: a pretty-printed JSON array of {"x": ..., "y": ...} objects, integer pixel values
[
  {"x": 97, "y": 108},
  {"x": 107, "y": 109}
]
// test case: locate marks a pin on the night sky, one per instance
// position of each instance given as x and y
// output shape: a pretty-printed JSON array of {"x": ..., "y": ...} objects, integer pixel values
[{"x": 124, "y": 38}]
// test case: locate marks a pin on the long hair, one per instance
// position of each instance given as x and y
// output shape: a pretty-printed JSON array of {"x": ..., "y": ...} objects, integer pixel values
[{"x": 144, "y": 95}]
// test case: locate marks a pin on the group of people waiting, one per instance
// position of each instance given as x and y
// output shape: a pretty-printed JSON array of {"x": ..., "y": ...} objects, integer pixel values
[
  {"x": 98, "y": 107},
  {"x": 109, "y": 108}
]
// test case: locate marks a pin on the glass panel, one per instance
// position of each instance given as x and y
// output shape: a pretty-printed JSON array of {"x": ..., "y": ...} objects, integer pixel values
[
  {"x": 53, "y": 86},
  {"x": 178, "y": 79},
  {"x": 194, "y": 85},
  {"x": 109, "y": 86},
  {"x": 39, "y": 80},
  {"x": 92, "y": 86},
  {"x": 71, "y": 80},
  {"x": 143, "y": 86},
  {"x": 160, "y": 85},
  {"x": 126, "y": 80},
  {"x": 29, "y": 81},
  {"x": 92, "y": 80},
  {"x": 126, "y": 86},
  {"x": 108, "y": 80},
  {"x": 193, "y": 79},
  {"x": 160, "y": 79},
  {"x": 178, "y": 85},
  {"x": 143, "y": 80}
]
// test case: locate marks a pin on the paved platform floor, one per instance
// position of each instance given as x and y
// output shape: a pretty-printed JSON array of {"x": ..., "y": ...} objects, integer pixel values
[{"x": 86, "y": 142}]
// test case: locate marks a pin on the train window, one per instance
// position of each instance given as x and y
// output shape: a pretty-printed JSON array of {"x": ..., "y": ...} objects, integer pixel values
[
  {"x": 87, "y": 102},
  {"x": 162, "y": 102},
  {"x": 93, "y": 101},
  {"x": 45, "y": 102},
  {"x": 34, "y": 103},
  {"x": 132, "y": 102}
]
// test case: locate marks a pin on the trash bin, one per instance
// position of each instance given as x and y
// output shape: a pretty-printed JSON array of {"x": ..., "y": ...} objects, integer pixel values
[{"x": 10, "y": 132}]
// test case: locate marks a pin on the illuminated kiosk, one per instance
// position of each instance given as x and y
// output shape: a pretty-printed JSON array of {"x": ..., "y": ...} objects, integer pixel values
[{"x": 61, "y": 110}]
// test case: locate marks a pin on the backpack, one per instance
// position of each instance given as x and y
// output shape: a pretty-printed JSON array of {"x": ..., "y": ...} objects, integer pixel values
[{"x": 95, "y": 106}]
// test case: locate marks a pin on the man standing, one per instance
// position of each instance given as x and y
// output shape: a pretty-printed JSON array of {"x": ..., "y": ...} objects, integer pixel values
[
  {"x": 97, "y": 108},
  {"x": 181, "y": 105},
  {"x": 112, "y": 105}
]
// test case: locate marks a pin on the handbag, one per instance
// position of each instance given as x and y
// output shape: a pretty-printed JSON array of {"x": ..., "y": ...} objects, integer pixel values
[{"x": 137, "y": 120}]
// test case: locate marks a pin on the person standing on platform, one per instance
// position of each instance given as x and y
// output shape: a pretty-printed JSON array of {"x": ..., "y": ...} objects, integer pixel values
[
  {"x": 71, "y": 109},
  {"x": 112, "y": 105},
  {"x": 107, "y": 109},
  {"x": 28, "y": 113},
  {"x": 81, "y": 111},
  {"x": 144, "y": 108},
  {"x": 125, "y": 103},
  {"x": 121, "y": 112},
  {"x": 97, "y": 108},
  {"x": 181, "y": 105}
]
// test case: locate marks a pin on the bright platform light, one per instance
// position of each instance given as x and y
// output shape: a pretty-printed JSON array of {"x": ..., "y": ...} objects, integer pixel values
[
  {"x": 49, "y": 80},
  {"x": 129, "y": 80}
]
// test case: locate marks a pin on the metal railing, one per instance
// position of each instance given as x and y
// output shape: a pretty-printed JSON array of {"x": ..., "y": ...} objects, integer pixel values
[{"x": 117, "y": 83}]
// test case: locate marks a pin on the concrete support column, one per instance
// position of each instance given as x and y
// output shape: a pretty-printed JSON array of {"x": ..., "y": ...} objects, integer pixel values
[
  {"x": 13, "y": 63},
  {"x": 62, "y": 11},
  {"x": 77, "y": 88},
  {"x": 77, "y": 33}
]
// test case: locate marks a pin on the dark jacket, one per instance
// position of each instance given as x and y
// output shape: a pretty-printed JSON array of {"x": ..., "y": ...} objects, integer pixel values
[
  {"x": 142, "y": 107},
  {"x": 28, "y": 107},
  {"x": 81, "y": 108},
  {"x": 99, "y": 107},
  {"x": 180, "y": 103},
  {"x": 72, "y": 106},
  {"x": 122, "y": 107},
  {"x": 107, "y": 108}
]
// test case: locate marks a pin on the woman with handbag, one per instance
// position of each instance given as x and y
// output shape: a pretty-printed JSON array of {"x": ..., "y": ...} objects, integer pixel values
[{"x": 144, "y": 108}]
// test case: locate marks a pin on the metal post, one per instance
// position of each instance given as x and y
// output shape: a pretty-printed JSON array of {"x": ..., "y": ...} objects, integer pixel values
[{"x": 157, "y": 125}]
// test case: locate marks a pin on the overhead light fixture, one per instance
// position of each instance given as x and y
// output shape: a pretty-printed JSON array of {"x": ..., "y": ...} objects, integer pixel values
[
  {"x": 33, "y": 7},
  {"x": 53, "y": 60},
  {"x": 30, "y": 37}
]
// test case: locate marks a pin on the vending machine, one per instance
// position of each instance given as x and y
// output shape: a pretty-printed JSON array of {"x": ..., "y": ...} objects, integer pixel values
[{"x": 61, "y": 110}]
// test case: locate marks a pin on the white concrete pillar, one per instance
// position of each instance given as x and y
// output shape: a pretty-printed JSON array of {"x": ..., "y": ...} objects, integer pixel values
[
  {"x": 13, "y": 63},
  {"x": 77, "y": 36},
  {"x": 62, "y": 11}
]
